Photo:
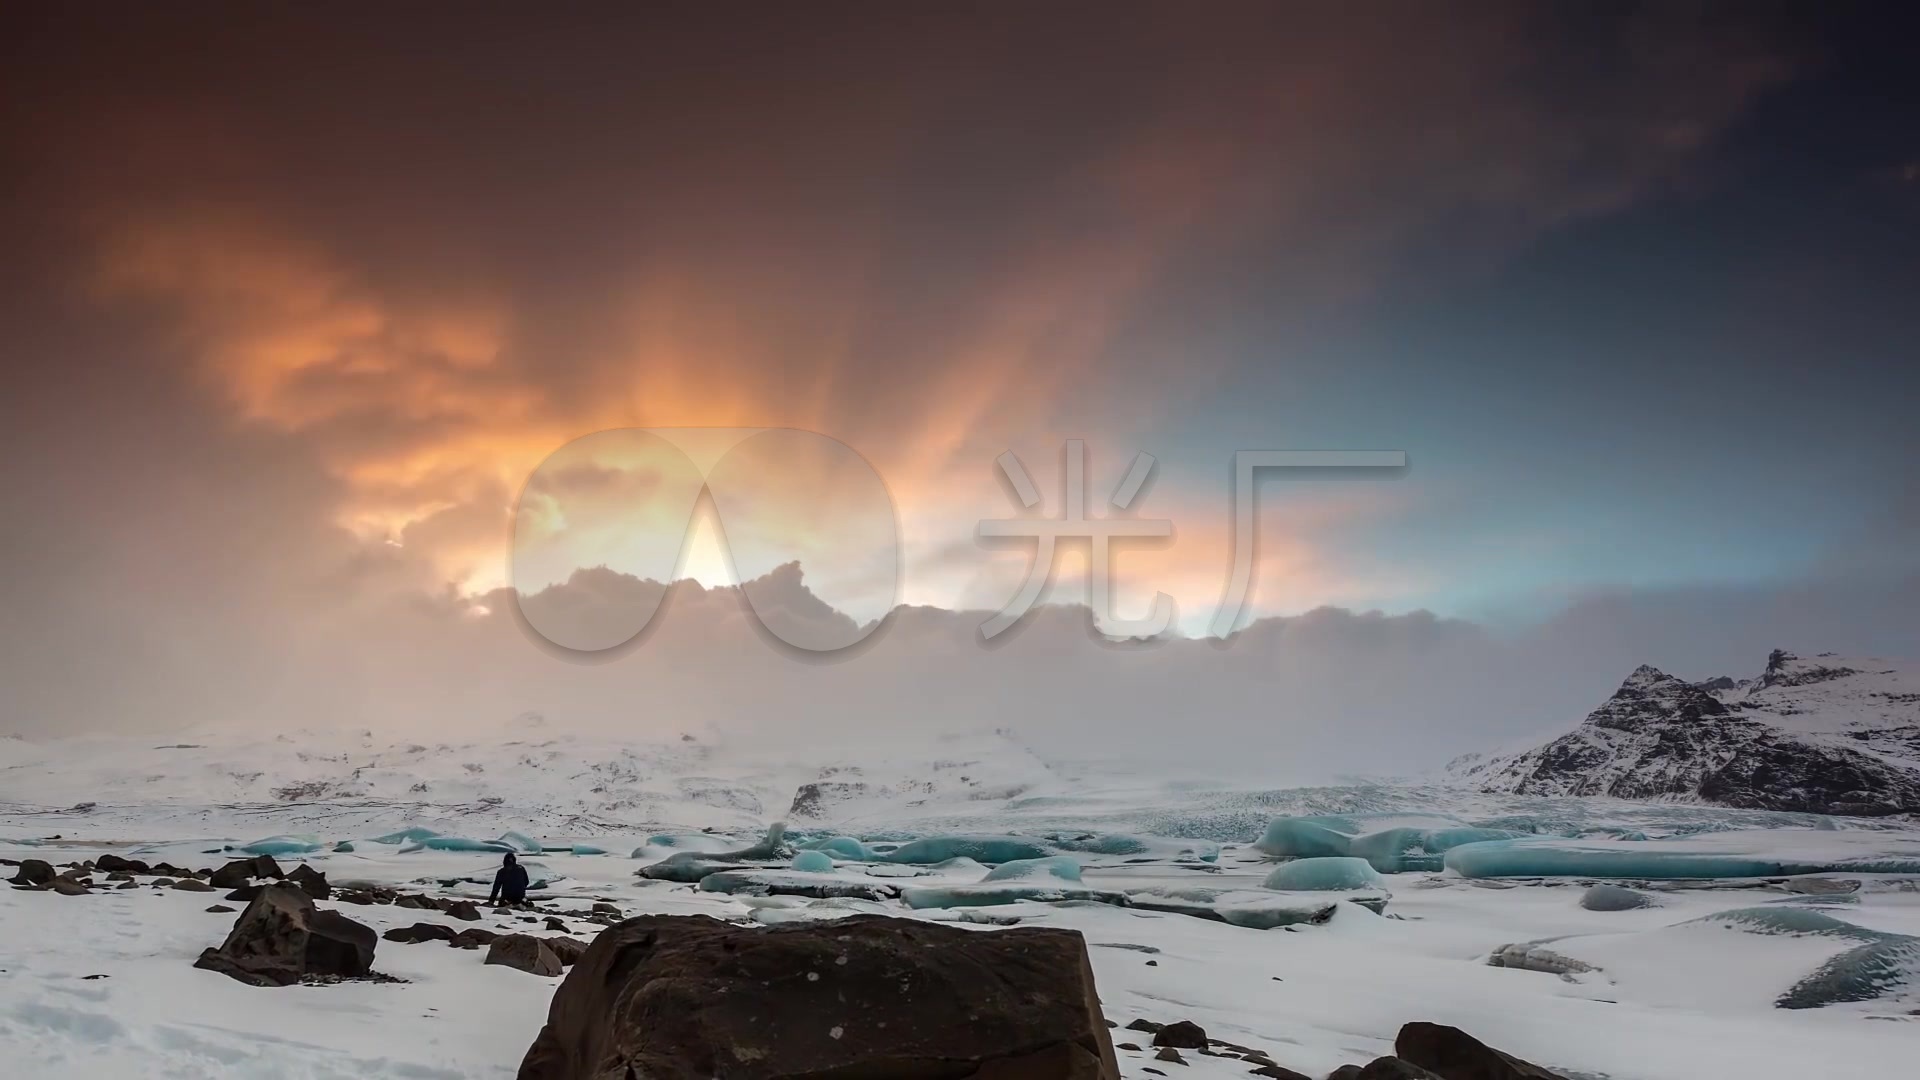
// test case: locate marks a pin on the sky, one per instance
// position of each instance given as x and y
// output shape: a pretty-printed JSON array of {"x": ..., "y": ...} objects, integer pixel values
[{"x": 298, "y": 301}]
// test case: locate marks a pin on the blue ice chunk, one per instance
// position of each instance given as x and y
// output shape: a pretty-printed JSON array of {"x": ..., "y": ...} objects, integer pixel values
[
  {"x": 815, "y": 862},
  {"x": 1308, "y": 837},
  {"x": 994, "y": 893},
  {"x": 344, "y": 845},
  {"x": 539, "y": 875},
  {"x": 413, "y": 833},
  {"x": 522, "y": 843},
  {"x": 1879, "y": 964},
  {"x": 1765, "y": 853},
  {"x": 1055, "y": 867},
  {"x": 1605, "y": 897},
  {"x": 1324, "y": 874},
  {"x": 1256, "y": 909},
  {"x": 751, "y": 882},
  {"x": 1122, "y": 844},
  {"x": 981, "y": 848},
  {"x": 280, "y": 845},
  {"x": 454, "y": 843},
  {"x": 845, "y": 847},
  {"x": 588, "y": 849},
  {"x": 1405, "y": 850}
]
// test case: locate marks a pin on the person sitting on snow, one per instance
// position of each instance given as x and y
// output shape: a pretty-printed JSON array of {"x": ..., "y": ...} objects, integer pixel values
[{"x": 510, "y": 884}]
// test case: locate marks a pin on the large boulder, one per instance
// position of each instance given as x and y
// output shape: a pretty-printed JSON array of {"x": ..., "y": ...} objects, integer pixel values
[
  {"x": 524, "y": 952},
  {"x": 1384, "y": 1068},
  {"x": 1456, "y": 1055},
  {"x": 111, "y": 863},
  {"x": 281, "y": 938},
  {"x": 419, "y": 932},
  {"x": 311, "y": 881},
  {"x": 684, "y": 997},
  {"x": 241, "y": 872},
  {"x": 37, "y": 872}
]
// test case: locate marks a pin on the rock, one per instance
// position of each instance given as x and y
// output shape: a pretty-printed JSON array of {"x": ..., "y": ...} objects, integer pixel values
[
  {"x": 524, "y": 952},
  {"x": 241, "y": 872},
  {"x": 568, "y": 949},
  {"x": 1135, "y": 1047},
  {"x": 1147, "y": 1026},
  {"x": 246, "y": 893},
  {"x": 161, "y": 883},
  {"x": 192, "y": 885},
  {"x": 1182, "y": 1033},
  {"x": 1604, "y": 897},
  {"x": 220, "y": 909},
  {"x": 1456, "y": 1055},
  {"x": 1385, "y": 1068},
  {"x": 128, "y": 885},
  {"x": 418, "y": 932},
  {"x": 603, "y": 908},
  {"x": 311, "y": 881},
  {"x": 557, "y": 924},
  {"x": 114, "y": 863},
  {"x": 281, "y": 937},
  {"x": 685, "y": 997},
  {"x": 1168, "y": 1053},
  {"x": 1276, "y": 1072},
  {"x": 464, "y": 910},
  {"x": 33, "y": 872},
  {"x": 472, "y": 938},
  {"x": 67, "y": 886}
]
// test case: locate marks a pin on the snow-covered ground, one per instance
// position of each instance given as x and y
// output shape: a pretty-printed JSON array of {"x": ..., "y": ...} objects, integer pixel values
[{"x": 103, "y": 984}]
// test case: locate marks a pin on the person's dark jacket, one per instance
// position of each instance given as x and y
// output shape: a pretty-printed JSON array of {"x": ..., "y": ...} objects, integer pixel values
[{"x": 510, "y": 884}]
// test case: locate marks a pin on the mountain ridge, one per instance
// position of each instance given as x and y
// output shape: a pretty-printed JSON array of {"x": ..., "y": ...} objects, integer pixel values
[{"x": 1819, "y": 733}]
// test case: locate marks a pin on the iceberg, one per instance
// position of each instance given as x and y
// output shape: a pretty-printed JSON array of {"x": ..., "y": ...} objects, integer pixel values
[
  {"x": 518, "y": 843},
  {"x": 1604, "y": 897},
  {"x": 797, "y": 883},
  {"x": 1307, "y": 837},
  {"x": 539, "y": 876},
  {"x": 1747, "y": 853},
  {"x": 1324, "y": 874},
  {"x": 1407, "y": 850},
  {"x": 1121, "y": 844},
  {"x": 845, "y": 847},
  {"x": 280, "y": 845},
  {"x": 691, "y": 866},
  {"x": 588, "y": 849},
  {"x": 1055, "y": 867},
  {"x": 994, "y": 893},
  {"x": 980, "y": 848},
  {"x": 1255, "y": 909},
  {"x": 413, "y": 834},
  {"x": 818, "y": 862}
]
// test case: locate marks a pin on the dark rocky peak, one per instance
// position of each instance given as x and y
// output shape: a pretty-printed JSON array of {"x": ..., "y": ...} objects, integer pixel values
[
  {"x": 1650, "y": 695},
  {"x": 1787, "y": 669}
]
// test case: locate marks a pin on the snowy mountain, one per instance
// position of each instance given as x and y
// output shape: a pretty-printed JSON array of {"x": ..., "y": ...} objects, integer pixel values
[{"x": 1824, "y": 734}]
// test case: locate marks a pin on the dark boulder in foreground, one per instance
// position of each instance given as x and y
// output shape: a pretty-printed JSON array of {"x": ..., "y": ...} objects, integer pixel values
[
  {"x": 1455, "y": 1055},
  {"x": 311, "y": 881},
  {"x": 281, "y": 938},
  {"x": 1181, "y": 1033},
  {"x": 241, "y": 872},
  {"x": 684, "y": 997},
  {"x": 524, "y": 952},
  {"x": 36, "y": 872},
  {"x": 1386, "y": 1068}
]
